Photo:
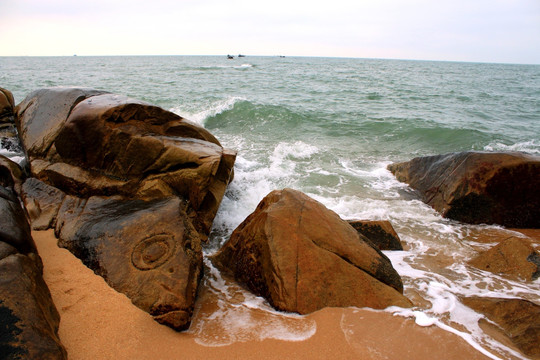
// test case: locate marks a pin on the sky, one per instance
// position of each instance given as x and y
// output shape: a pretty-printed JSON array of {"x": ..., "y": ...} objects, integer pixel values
[{"x": 505, "y": 31}]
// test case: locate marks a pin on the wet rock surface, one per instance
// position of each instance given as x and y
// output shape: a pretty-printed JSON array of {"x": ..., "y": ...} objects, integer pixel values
[
  {"x": 8, "y": 130},
  {"x": 28, "y": 317},
  {"x": 141, "y": 248},
  {"x": 380, "y": 232},
  {"x": 514, "y": 257},
  {"x": 130, "y": 188},
  {"x": 478, "y": 187},
  {"x": 302, "y": 257},
  {"x": 517, "y": 319}
]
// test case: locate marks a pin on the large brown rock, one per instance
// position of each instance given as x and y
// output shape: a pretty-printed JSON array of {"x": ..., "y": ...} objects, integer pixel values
[
  {"x": 28, "y": 318},
  {"x": 380, "y": 232},
  {"x": 130, "y": 188},
  {"x": 112, "y": 145},
  {"x": 302, "y": 257},
  {"x": 518, "y": 320},
  {"x": 478, "y": 187},
  {"x": 514, "y": 257}
]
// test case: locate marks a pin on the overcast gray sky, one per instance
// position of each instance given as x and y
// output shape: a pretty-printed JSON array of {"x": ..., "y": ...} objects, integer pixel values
[{"x": 458, "y": 30}]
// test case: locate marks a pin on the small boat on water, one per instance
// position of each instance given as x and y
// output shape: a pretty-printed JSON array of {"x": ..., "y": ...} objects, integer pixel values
[
  {"x": 240, "y": 55},
  {"x": 230, "y": 57}
]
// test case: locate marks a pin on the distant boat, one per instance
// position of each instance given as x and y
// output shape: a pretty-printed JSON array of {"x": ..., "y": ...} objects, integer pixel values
[
  {"x": 281, "y": 56},
  {"x": 240, "y": 55},
  {"x": 230, "y": 57}
]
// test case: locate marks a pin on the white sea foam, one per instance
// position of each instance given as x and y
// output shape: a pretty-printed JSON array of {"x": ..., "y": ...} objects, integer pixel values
[
  {"x": 425, "y": 234},
  {"x": 531, "y": 146},
  {"x": 210, "y": 110},
  {"x": 242, "y": 316},
  {"x": 13, "y": 156},
  {"x": 443, "y": 291},
  {"x": 253, "y": 181}
]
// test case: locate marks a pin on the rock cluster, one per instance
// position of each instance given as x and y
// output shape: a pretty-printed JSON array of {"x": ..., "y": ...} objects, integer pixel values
[
  {"x": 29, "y": 320},
  {"x": 131, "y": 189},
  {"x": 478, "y": 187}
]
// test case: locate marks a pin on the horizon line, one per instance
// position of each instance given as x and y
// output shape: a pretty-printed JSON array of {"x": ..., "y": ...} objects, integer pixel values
[{"x": 279, "y": 56}]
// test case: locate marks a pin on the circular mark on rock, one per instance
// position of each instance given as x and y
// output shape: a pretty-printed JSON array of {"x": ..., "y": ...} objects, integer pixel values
[{"x": 152, "y": 252}]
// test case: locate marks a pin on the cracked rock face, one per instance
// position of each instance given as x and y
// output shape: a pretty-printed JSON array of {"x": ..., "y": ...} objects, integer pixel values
[
  {"x": 302, "y": 257},
  {"x": 478, "y": 187},
  {"x": 130, "y": 188}
]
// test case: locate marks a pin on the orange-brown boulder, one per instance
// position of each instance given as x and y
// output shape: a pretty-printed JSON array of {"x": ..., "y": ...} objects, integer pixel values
[
  {"x": 28, "y": 318},
  {"x": 380, "y": 232},
  {"x": 514, "y": 257},
  {"x": 478, "y": 187},
  {"x": 302, "y": 257},
  {"x": 517, "y": 319}
]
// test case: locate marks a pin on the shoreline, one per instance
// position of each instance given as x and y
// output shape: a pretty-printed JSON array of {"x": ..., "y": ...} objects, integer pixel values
[{"x": 98, "y": 323}]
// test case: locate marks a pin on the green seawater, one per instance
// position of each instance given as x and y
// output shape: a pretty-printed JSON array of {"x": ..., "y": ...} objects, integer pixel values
[{"x": 329, "y": 127}]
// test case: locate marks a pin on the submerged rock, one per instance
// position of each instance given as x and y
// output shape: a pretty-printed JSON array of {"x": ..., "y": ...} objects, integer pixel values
[
  {"x": 130, "y": 188},
  {"x": 478, "y": 187},
  {"x": 28, "y": 318},
  {"x": 380, "y": 232},
  {"x": 518, "y": 320},
  {"x": 302, "y": 257},
  {"x": 514, "y": 257}
]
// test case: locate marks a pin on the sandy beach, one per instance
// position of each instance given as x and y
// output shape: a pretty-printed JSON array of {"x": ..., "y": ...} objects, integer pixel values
[{"x": 99, "y": 323}]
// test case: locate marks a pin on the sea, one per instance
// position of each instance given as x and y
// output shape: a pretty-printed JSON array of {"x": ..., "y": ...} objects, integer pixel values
[{"x": 329, "y": 127}]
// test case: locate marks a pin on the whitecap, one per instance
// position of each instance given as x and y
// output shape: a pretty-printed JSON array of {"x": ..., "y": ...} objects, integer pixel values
[
  {"x": 210, "y": 110},
  {"x": 531, "y": 146}
]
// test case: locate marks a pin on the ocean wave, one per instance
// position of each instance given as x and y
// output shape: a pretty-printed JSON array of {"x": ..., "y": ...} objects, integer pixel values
[
  {"x": 255, "y": 178},
  {"x": 211, "y": 110},
  {"x": 531, "y": 146},
  {"x": 15, "y": 156},
  {"x": 220, "y": 67}
]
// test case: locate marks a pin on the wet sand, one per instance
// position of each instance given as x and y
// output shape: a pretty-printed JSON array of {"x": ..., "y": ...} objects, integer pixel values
[{"x": 99, "y": 323}]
